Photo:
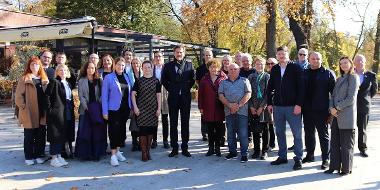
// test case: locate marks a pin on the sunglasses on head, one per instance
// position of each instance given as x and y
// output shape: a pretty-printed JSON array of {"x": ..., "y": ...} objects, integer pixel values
[{"x": 302, "y": 54}]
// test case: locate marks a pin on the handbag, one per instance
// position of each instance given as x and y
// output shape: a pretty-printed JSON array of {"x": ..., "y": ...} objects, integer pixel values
[{"x": 95, "y": 113}]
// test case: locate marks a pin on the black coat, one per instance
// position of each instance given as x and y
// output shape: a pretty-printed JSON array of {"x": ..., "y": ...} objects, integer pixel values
[
  {"x": 175, "y": 82},
  {"x": 288, "y": 90},
  {"x": 367, "y": 90},
  {"x": 317, "y": 98},
  {"x": 60, "y": 129}
]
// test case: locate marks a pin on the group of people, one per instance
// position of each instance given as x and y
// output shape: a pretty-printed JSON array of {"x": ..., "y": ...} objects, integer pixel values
[{"x": 250, "y": 98}]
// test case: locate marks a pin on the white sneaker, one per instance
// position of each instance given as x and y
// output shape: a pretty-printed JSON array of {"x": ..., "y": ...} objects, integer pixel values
[
  {"x": 120, "y": 157},
  {"x": 55, "y": 162},
  {"x": 29, "y": 162},
  {"x": 114, "y": 161},
  {"x": 62, "y": 160},
  {"x": 40, "y": 161}
]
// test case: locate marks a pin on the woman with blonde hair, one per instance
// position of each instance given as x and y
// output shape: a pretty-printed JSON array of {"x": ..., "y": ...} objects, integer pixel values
[
  {"x": 31, "y": 101},
  {"x": 60, "y": 119}
]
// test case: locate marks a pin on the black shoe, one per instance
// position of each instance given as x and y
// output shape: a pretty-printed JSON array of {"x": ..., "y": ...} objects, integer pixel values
[
  {"x": 344, "y": 173},
  {"x": 186, "y": 153},
  {"x": 231, "y": 156},
  {"x": 256, "y": 154},
  {"x": 166, "y": 145},
  {"x": 363, "y": 154},
  {"x": 279, "y": 161},
  {"x": 173, "y": 153},
  {"x": 325, "y": 164},
  {"x": 264, "y": 156},
  {"x": 297, "y": 165},
  {"x": 291, "y": 148},
  {"x": 329, "y": 171},
  {"x": 217, "y": 152},
  {"x": 210, "y": 151},
  {"x": 204, "y": 138},
  {"x": 308, "y": 159},
  {"x": 243, "y": 159},
  {"x": 154, "y": 145}
]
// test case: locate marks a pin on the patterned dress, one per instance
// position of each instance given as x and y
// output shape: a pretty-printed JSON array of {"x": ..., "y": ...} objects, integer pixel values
[{"x": 146, "y": 99}]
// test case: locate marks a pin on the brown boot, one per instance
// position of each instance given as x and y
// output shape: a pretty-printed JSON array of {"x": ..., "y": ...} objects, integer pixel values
[
  {"x": 149, "y": 143},
  {"x": 144, "y": 150}
]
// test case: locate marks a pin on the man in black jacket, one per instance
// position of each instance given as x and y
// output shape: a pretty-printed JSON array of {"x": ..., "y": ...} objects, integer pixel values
[
  {"x": 46, "y": 58},
  {"x": 286, "y": 93},
  {"x": 178, "y": 78},
  {"x": 320, "y": 84},
  {"x": 367, "y": 90}
]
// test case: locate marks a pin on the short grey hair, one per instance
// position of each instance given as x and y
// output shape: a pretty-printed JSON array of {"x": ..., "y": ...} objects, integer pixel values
[{"x": 249, "y": 57}]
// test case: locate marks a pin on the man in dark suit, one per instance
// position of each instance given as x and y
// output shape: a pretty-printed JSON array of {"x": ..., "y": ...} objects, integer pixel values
[
  {"x": 46, "y": 58},
  {"x": 178, "y": 78},
  {"x": 320, "y": 84},
  {"x": 367, "y": 90}
]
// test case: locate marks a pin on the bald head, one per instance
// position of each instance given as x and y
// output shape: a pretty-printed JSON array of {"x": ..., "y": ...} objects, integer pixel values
[{"x": 315, "y": 59}]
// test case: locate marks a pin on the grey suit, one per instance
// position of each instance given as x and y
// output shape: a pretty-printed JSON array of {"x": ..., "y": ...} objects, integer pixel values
[
  {"x": 84, "y": 95},
  {"x": 342, "y": 128}
]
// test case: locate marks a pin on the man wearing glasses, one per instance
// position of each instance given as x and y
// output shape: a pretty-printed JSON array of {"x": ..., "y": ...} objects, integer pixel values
[
  {"x": 46, "y": 58},
  {"x": 302, "y": 58}
]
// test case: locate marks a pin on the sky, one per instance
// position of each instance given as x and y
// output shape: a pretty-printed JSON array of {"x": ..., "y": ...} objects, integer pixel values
[{"x": 347, "y": 16}]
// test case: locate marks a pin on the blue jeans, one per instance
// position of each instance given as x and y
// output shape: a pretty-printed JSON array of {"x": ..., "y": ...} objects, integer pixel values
[
  {"x": 237, "y": 124},
  {"x": 283, "y": 114}
]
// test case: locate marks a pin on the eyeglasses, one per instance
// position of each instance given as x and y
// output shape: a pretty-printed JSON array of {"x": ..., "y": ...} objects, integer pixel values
[
  {"x": 301, "y": 54},
  {"x": 269, "y": 63}
]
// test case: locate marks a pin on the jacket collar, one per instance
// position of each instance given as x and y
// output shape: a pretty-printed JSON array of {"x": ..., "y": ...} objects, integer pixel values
[{"x": 28, "y": 78}]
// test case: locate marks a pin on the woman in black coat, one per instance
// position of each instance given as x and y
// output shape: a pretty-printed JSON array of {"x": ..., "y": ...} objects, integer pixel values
[{"x": 60, "y": 120}]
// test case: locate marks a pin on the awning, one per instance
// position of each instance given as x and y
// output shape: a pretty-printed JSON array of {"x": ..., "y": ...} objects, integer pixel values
[{"x": 66, "y": 29}]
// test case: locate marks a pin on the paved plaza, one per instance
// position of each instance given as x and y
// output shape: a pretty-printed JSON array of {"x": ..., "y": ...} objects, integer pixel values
[{"x": 197, "y": 172}]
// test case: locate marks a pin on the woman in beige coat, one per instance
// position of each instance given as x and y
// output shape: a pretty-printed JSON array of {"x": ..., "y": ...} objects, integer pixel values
[
  {"x": 343, "y": 110},
  {"x": 31, "y": 100}
]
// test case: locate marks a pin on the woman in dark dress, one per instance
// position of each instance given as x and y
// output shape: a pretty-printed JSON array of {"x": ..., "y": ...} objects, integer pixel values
[
  {"x": 60, "y": 119},
  {"x": 146, "y": 99},
  {"x": 91, "y": 141},
  {"x": 137, "y": 73}
]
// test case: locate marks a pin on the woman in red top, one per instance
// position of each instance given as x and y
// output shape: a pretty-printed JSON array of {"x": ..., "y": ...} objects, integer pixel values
[{"x": 211, "y": 108}]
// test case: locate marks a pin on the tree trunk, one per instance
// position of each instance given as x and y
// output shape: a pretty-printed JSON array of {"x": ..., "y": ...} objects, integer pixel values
[
  {"x": 271, "y": 28},
  {"x": 376, "y": 55},
  {"x": 301, "y": 28},
  {"x": 298, "y": 33}
]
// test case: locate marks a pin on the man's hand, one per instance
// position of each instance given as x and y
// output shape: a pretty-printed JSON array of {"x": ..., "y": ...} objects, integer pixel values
[
  {"x": 334, "y": 112},
  {"x": 270, "y": 108},
  {"x": 234, "y": 107},
  {"x": 297, "y": 110},
  {"x": 105, "y": 117}
]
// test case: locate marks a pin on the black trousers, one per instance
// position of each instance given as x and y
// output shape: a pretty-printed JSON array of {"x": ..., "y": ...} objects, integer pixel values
[
  {"x": 34, "y": 142},
  {"x": 264, "y": 135},
  {"x": 182, "y": 106},
  {"x": 165, "y": 128},
  {"x": 117, "y": 121},
  {"x": 204, "y": 128},
  {"x": 55, "y": 148},
  {"x": 272, "y": 135},
  {"x": 342, "y": 148},
  {"x": 362, "y": 122},
  {"x": 315, "y": 120},
  {"x": 215, "y": 133}
]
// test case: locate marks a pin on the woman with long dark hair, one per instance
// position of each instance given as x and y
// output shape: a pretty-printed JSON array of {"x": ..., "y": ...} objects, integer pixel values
[
  {"x": 60, "y": 118},
  {"x": 343, "y": 109},
  {"x": 91, "y": 141},
  {"x": 31, "y": 100}
]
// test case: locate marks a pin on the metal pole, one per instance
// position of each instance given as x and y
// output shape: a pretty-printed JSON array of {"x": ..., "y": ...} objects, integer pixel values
[
  {"x": 93, "y": 37},
  {"x": 151, "y": 49}
]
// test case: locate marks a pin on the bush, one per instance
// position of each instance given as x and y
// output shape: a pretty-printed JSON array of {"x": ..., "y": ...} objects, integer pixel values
[{"x": 6, "y": 87}]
